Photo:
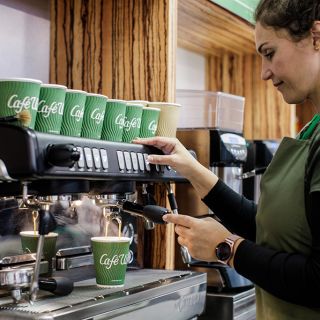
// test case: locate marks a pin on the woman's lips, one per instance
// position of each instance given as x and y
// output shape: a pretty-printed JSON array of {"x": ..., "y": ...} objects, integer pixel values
[{"x": 277, "y": 84}]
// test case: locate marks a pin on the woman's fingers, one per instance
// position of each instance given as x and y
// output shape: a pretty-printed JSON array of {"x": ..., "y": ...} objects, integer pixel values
[{"x": 179, "y": 219}]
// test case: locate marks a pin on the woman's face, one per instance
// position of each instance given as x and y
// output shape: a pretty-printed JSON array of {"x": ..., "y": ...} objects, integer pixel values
[{"x": 293, "y": 67}]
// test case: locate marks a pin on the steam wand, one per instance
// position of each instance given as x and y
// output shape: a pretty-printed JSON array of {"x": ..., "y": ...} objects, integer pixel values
[
  {"x": 47, "y": 223},
  {"x": 186, "y": 257}
]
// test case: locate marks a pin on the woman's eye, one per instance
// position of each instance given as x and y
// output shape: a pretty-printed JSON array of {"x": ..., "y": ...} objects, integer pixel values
[{"x": 269, "y": 55}]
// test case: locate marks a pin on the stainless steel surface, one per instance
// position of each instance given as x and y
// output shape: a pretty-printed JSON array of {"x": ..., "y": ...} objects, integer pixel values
[
  {"x": 66, "y": 263},
  {"x": 232, "y": 306},
  {"x": 15, "y": 280},
  {"x": 4, "y": 175},
  {"x": 67, "y": 252},
  {"x": 156, "y": 294},
  {"x": 229, "y": 175},
  {"x": 34, "y": 285},
  {"x": 11, "y": 260}
]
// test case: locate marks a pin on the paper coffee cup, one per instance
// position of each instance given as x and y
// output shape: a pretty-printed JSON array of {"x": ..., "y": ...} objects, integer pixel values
[
  {"x": 113, "y": 123},
  {"x": 111, "y": 256},
  {"x": 169, "y": 117},
  {"x": 132, "y": 122},
  {"x": 143, "y": 102},
  {"x": 50, "y": 109},
  {"x": 29, "y": 242},
  {"x": 17, "y": 95},
  {"x": 149, "y": 122},
  {"x": 73, "y": 113},
  {"x": 93, "y": 117}
]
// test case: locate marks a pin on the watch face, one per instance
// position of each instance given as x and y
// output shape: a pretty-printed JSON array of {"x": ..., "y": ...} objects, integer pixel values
[{"x": 223, "y": 251}]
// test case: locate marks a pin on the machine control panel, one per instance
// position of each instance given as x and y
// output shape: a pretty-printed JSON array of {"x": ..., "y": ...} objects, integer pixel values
[{"x": 35, "y": 155}]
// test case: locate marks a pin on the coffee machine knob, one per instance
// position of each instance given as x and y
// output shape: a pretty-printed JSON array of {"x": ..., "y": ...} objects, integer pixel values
[{"x": 62, "y": 155}]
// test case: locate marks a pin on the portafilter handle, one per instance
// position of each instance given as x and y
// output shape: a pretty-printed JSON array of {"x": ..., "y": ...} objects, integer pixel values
[
  {"x": 151, "y": 212},
  {"x": 47, "y": 223}
]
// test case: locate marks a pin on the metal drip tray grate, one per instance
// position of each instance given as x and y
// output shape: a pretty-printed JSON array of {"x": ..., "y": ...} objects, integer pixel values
[{"x": 182, "y": 293}]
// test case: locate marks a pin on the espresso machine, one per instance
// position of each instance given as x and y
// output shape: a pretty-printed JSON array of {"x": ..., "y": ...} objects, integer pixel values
[
  {"x": 260, "y": 154},
  {"x": 73, "y": 184},
  {"x": 230, "y": 295}
]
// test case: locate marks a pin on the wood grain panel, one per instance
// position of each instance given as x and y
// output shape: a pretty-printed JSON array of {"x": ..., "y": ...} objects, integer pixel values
[
  {"x": 124, "y": 49},
  {"x": 206, "y": 25}
]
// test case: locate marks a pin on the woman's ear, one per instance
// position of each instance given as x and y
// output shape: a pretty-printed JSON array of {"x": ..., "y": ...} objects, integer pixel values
[{"x": 315, "y": 32}]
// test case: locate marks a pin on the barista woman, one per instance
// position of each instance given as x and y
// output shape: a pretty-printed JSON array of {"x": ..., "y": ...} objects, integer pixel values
[{"x": 277, "y": 244}]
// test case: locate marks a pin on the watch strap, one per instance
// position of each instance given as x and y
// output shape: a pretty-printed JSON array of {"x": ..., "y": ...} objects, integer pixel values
[{"x": 231, "y": 241}]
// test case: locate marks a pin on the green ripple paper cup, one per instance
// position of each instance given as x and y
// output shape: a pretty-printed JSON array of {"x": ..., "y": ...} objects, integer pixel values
[
  {"x": 169, "y": 117},
  {"x": 113, "y": 123},
  {"x": 94, "y": 112},
  {"x": 29, "y": 242},
  {"x": 73, "y": 113},
  {"x": 149, "y": 122},
  {"x": 132, "y": 122},
  {"x": 50, "y": 109},
  {"x": 111, "y": 256},
  {"x": 18, "y": 94}
]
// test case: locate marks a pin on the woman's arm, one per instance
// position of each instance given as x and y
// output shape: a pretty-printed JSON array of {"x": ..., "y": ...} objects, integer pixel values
[
  {"x": 235, "y": 211},
  {"x": 180, "y": 159}
]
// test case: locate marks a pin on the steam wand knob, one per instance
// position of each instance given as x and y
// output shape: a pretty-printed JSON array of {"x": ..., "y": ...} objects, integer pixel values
[{"x": 62, "y": 155}]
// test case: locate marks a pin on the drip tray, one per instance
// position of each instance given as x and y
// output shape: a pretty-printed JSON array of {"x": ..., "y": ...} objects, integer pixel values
[{"x": 156, "y": 294}]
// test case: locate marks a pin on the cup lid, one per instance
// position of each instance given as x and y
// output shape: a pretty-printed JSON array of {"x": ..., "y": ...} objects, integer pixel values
[
  {"x": 89, "y": 94},
  {"x": 53, "y": 85},
  {"x": 21, "y": 79},
  {"x": 151, "y": 108},
  {"x": 76, "y": 91},
  {"x": 164, "y": 104},
  {"x": 116, "y": 100},
  {"x": 111, "y": 239},
  {"x": 30, "y": 233}
]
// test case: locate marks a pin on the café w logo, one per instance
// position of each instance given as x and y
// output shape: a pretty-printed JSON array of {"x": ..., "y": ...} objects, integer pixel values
[
  {"x": 53, "y": 108},
  {"x": 133, "y": 123},
  {"x": 77, "y": 112},
  {"x": 97, "y": 116},
  {"x": 120, "y": 120},
  {"x": 19, "y": 104},
  {"x": 152, "y": 126},
  {"x": 117, "y": 259}
]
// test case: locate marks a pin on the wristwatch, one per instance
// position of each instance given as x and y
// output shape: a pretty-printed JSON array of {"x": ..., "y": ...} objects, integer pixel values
[{"x": 224, "y": 250}]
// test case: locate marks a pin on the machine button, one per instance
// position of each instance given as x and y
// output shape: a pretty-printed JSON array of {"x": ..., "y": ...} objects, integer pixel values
[
  {"x": 158, "y": 167},
  {"x": 81, "y": 159},
  {"x": 162, "y": 168},
  {"x": 169, "y": 168},
  {"x": 96, "y": 158},
  {"x": 127, "y": 160},
  {"x": 148, "y": 168},
  {"x": 104, "y": 159},
  {"x": 141, "y": 161},
  {"x": 120, "y": 160},
  {"x": 134, "y": 161},
  {"x": 88, "y": 157}
]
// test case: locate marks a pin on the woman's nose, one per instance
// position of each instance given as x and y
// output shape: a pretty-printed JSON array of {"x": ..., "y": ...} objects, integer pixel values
[{"x": 266, "y": 73}]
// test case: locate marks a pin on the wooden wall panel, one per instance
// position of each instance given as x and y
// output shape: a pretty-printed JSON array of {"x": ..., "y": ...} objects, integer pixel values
[
  {"x": 266, "y": 115},
  {"x": 124, "y": 49}
]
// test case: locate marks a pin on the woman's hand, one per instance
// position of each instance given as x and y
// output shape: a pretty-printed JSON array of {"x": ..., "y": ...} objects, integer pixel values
[
  {"x": 180, "y": 159},
  {"x": 175, "y": 154},
  {"x": 200, "y": 236}
]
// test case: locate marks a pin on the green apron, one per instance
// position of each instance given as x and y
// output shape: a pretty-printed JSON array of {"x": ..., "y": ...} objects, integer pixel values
[{"x": 282, "y": 224}]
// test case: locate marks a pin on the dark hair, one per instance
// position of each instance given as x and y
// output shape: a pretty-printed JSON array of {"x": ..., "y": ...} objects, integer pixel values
[{"x": 296, "y": 16}]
